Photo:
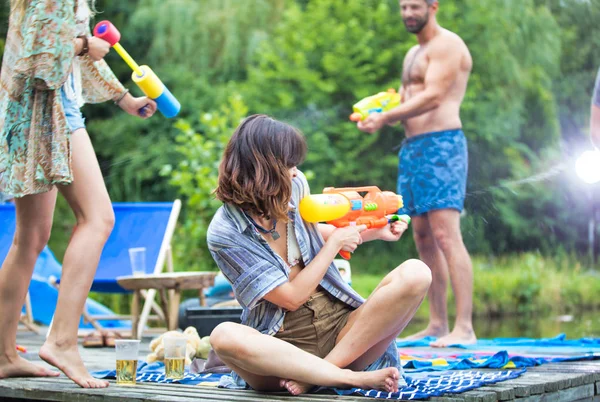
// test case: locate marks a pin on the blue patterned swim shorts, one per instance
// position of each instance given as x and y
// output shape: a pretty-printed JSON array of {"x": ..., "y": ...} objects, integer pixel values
[{"x": 432, "y": 172}]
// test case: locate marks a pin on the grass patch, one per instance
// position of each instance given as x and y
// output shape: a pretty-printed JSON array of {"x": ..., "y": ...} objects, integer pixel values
[{"x": 519, "y": 284}]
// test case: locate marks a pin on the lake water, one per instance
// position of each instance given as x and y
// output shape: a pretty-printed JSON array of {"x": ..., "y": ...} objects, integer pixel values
[{"x": 576, "y": 325}]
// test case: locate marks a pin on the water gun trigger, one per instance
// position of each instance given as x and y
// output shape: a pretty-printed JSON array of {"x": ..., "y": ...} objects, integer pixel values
[
  {"x": 396, "y": 218},
  {"x": 345, "y": 255}
]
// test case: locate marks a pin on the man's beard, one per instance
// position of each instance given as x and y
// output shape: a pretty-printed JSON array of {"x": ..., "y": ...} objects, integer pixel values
[{"x": 415, "y": 29}]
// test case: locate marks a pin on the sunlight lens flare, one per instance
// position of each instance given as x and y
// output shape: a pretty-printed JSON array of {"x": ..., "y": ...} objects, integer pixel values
[{"x": 588, "y": 167}]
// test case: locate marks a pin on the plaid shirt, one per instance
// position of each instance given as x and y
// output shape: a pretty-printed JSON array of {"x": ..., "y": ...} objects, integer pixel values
[{"x": 254, "y": 269}]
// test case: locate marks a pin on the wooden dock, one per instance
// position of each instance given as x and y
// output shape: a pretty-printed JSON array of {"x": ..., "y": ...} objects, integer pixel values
[{"x": 557, "y": 382}]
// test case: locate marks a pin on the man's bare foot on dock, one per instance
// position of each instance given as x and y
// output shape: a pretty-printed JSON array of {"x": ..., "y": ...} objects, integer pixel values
[
  {"x": 382, "y": 380},
  {"x": 68, "y": 360},
  {"x": 457, "y": 336},
  {"x": 16, "y": 366}
]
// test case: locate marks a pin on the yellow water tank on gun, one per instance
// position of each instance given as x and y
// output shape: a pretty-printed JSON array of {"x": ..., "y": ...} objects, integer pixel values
[{"x": 324, "y": 207}]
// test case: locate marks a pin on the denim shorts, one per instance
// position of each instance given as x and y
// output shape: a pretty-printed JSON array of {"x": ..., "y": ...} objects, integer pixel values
[
  {"x": 75, "y": 119},
  {"x": 432, "y": 172}
]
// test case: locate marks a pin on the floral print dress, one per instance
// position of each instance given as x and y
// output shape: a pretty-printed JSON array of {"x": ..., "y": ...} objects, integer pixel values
[{"x": 39, "y": 57}]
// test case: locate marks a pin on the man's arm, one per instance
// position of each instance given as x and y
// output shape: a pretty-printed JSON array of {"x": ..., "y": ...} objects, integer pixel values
[{"x": 444, "y": 66}]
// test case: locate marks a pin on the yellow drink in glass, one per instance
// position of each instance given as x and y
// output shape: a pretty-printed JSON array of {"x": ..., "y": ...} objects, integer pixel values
[
  {"x": 126, "y": 372},
  {"x": 175, "y": 368}
]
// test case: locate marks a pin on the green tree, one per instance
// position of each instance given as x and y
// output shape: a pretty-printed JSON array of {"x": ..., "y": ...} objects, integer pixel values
[
  {"x": 195, "y": 178},
  {"x": 207, "y": 47},
  {"x": 327, "y": 54}
]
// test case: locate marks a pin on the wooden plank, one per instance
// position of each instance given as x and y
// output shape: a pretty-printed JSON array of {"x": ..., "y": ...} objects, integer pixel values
[
  {"x": 64, "y": 389},
  {"x": 566, "y": 395},
  {"x": 572, "y": 394},
  {"x": 572, "y": 381},
  {"x": 593, "y": 371},
  {"x": 478, "y": 395},
  {"x": 556, "y": 381},
  {"x": 527, "y": 384}
]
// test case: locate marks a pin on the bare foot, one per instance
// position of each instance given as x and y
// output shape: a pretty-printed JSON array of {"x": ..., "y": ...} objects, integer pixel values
[
  {"x": 295, "y": 387},
  {"x": 382, "y": 380},
  {"x": 67, "y": 360},
  {"x": 18, "y": 367},
  {"x": 431, "y": 330},
  {"x": 457, "y": 336}
]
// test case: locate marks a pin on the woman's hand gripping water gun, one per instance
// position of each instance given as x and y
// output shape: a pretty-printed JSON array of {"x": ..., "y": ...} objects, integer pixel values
[
  {"x": 342, "y": 207},
  {"x": 143, "y": 76}
]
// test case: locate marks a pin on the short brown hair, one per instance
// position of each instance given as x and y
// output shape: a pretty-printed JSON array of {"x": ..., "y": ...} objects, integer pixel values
[{"x": 254, "y": 173}]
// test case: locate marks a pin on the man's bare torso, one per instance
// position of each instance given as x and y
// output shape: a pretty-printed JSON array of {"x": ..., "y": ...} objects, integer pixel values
[{"x": 416, "y": 63}]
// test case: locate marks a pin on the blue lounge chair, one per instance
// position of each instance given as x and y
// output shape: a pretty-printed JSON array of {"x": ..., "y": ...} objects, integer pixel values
[
  {"x": 147, "y": 224},
  {"x": 42, "y": 295}
]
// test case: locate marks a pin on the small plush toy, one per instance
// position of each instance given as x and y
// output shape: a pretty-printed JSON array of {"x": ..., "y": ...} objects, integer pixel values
[{"x": 196, "y": 347}]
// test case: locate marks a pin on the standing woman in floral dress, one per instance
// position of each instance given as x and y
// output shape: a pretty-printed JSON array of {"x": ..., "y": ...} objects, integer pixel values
[{"x": 51, "y": 67}]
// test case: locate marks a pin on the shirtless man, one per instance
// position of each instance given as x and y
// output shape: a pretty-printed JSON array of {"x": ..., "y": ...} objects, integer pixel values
[{"x": 433, "y": 163}]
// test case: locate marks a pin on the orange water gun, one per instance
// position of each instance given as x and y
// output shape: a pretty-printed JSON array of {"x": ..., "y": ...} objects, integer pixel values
[{"x": 343, "y": 207}]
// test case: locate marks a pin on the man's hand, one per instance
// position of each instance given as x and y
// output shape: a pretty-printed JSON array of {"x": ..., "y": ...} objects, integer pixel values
[
  {"x": 141, "y": 107},
  {"x": 374, "y": 122}
]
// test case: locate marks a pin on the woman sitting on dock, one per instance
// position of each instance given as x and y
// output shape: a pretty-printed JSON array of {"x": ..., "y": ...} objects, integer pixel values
[{"x": 303, "y": 325}]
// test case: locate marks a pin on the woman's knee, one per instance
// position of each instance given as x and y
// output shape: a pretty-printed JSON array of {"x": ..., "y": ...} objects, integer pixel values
[
  {"x": 101, "y": 222},
  {"x": 225, "y": 339},
  {"x": 107, "y": 222},
  {"x": 33, "y": 238},
  {"x": 414, "y": 276}
]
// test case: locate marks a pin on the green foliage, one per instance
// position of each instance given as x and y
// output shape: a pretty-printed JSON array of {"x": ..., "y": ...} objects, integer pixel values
[
  {"x": 321, "y": 59},
  {"x": 195, "y": 178},
  {"x": 525, "y": 112},
  {"x": 209, "y": 44},
  {"x": 580, "y": 60}
]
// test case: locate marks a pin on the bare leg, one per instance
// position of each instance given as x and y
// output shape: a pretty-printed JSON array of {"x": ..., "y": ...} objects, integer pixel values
[
  {"x": 372, "y": 326},
  {"x": 261, "y": 360},
  {"x": 445, "y": 225},
  {"x": 432, "y": 255},
  {"x": 34, "y": 222},
  {"x": 88, "y": 198}
]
